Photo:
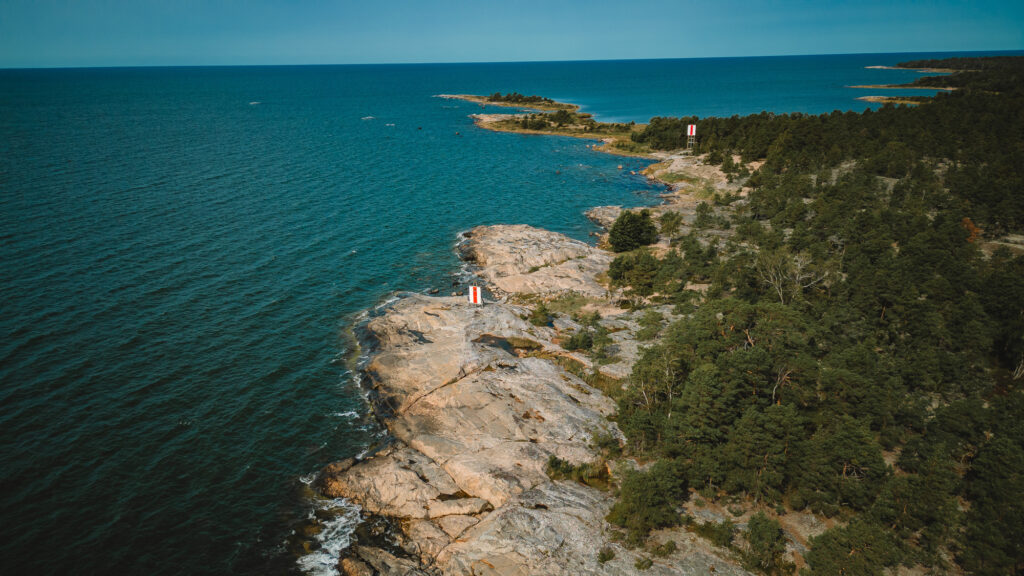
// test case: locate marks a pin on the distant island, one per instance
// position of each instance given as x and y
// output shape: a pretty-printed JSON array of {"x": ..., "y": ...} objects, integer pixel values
[
  {"x": 514, "y": 100},
  {"x": 809, "y": 358}
]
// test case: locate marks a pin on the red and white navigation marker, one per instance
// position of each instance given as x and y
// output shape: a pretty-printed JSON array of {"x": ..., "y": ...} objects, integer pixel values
[
  {"x": 474, "y": 295},
  {"x": 691, "y": 130}
]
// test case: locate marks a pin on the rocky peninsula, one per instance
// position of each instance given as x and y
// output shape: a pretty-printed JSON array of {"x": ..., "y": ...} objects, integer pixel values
[
  {"x": 791, "y": 408},
  {"x": 477, "y": 400}
]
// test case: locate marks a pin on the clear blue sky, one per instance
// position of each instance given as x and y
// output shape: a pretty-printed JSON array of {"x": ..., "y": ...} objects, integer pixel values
[{"x": 195, "y": 32}]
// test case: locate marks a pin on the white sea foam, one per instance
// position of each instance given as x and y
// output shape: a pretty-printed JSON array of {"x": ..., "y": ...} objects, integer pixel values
[
  {"x": 348, "y": 414},
  {"x": 367, "y": 118},
  {"x": 335, "y": 537},
  {"x": 308, "y": 478}
]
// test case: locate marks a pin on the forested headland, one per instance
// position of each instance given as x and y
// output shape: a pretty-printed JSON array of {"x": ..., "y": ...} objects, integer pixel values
[{"x": 858, "y": 348}]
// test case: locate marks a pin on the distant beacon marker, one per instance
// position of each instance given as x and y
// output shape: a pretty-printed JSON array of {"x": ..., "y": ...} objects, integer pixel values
[
  {"x": 474, "y": 295},
  {"x": 691, "y": 134}
]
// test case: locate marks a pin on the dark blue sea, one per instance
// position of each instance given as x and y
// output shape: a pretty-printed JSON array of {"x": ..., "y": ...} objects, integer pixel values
[{"x": 184, "y": 252}]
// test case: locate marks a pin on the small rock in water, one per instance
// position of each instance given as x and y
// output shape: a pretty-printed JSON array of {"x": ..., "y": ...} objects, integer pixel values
[{"x": 435, "y": 290}]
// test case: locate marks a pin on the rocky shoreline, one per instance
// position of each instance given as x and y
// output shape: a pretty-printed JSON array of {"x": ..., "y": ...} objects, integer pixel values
[{"x": 477, "y": 400}]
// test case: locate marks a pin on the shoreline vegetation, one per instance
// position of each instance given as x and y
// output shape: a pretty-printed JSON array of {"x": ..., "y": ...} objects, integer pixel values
[
  {"x": 956, "y": 73},
  {"x": 809, "y": 358},
  {"x": 916, "y": 69},
  {"x": 513, "y": 100},
  {"x": 904, "y": 87},
  {"x": 564, "y": 120},
  {"x": 908, "y": 100}
]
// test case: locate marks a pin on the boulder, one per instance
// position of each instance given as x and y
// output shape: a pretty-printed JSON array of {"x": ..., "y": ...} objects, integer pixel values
[{"x": 604, "y": 216}]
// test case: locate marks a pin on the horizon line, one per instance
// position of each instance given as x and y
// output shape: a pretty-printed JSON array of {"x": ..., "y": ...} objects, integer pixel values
[{"x": 120, "y": 66}]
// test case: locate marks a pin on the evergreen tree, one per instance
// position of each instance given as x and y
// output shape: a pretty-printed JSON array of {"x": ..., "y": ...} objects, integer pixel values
[
  {"x": 632, "y": 230},
  {"x": 762, "y": 450},
  {"x": 993, "y": 543},
  {"x": 648, "y": 500},
  {"x": 860, "y": 548},
  {"x": 767, "y": 545}
]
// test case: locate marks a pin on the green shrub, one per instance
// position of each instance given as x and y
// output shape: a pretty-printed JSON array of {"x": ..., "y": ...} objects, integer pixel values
[
  {"x": 562, "y": 117},
  {"x": 767, "y": 545},
  {"x": 632, "y": 230},
  {"x": 670, "y": 223},
  {"x": 648, "y": 500},
  {"x": 719, "y": 533},
  {"x": 605, "y": 554},
  {"x": 643, "y": 563},
  {"x": 587, "y": 473},
  {"x": 665, "y": 549},
  {"x": 705, "y": 216},
  {"x": 650, "y": 324},
  {"x": 582, "y": 339},
  {"x": 517, "y": 98},
  {"x": 534, "y": 122},
  {"x": 607, "y": 443},
  {"x": 540, "y": 316},
  {"x": 861, "y": 547}
]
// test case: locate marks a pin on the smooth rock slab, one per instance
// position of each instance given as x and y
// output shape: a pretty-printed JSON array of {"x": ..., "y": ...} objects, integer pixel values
[
  {"x": 454, "y": 526},
  {"x": 424, "y": 539},
  {"x": 386, "y": 564},
  {"x": 521, "y": 259},
  {"x": 553, "y": 529},
  {"x": 459, "y": 506},
  {"x": 397, "y": 482}
]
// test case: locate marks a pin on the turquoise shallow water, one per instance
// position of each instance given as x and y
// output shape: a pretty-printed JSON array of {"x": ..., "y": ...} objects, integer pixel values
[{"x": 184, "y": 250}]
